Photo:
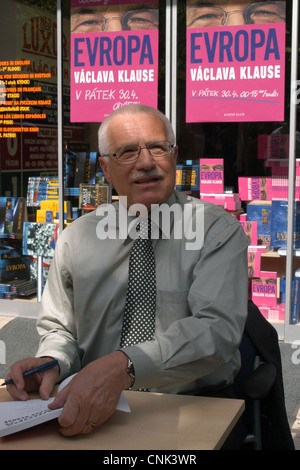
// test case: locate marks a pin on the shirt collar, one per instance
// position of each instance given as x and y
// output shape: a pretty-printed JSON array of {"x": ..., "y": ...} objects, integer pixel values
[{"x": 126, "y": 221}]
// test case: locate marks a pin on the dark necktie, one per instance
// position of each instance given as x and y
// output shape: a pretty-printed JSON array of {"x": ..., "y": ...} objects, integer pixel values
[{"x": 140, "y": 306}]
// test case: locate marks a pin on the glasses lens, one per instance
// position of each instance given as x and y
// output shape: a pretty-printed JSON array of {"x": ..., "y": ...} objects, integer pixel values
[
  {"x": 128, "y": 153},
  {"x": 87, "y": 22},
  {"x": 159, "y": 149},
  {"x": 205, "y": 16},
  {"x": 272, "y": 12},
  {"x": 143, "y": 19}
]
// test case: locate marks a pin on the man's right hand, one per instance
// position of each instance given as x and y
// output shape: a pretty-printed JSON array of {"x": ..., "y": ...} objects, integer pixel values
[{"x": 43, "y": 382}]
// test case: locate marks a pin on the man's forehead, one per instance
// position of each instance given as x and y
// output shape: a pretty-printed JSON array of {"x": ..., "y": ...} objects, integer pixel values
[
  {"x": 115, "y": 8},
  {"x": 220, "y": 3},
  {"x": 129, "y": 120},
  {"x": 130, "y": 126}
]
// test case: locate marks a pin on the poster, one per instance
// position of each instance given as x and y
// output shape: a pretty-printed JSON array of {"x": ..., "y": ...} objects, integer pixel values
[
  {"x": 235, "y": 61},
  {"x": 114, "y": 56}
]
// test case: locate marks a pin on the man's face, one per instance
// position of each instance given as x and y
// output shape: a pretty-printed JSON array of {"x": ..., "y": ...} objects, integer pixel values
[
  {"x": 98, "y": 19},
  {"x": 147, "y": 180},
  {"x": 229, "y": 13}
]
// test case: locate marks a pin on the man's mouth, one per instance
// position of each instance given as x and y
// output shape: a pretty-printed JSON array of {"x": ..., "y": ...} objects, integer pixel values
[{"x": 147, "y": 180}]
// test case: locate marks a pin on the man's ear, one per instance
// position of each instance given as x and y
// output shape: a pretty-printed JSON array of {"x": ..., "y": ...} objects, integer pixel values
[{"x": 105, "y": 168}]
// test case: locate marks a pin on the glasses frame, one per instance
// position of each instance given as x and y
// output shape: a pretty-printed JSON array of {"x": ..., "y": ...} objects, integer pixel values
[
  {"x": 245, "y": 12},
  {"x": 139, "y": 149}
]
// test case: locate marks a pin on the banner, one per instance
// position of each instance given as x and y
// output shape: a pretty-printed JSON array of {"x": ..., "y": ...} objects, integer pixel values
[
  {"x": 235, "y": 72},
  {"x": 114, "y": 56}
]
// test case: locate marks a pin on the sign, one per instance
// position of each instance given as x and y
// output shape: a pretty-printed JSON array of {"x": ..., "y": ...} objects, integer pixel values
[
  {"x": 235, "y": 73},
  {"x": 114, "y": 58}
]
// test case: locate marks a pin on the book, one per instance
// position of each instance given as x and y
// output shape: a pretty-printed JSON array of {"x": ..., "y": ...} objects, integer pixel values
[
  {"x": 70, "y": 162},
  {"x": 250, "y": 229},
  {"x": 273, "y": 314},
  {"x": 13, "y": 213},
  {"x": 44, "y": 216},
  {"x": 7, "y": 205},
  {"x": 282, "y": 286},
  {"x": 265, "y": 289},
  {"x": 255, "y": 188},
  {"x": 40, "y": 188},
  {"x": 254, "y": 262},
  {"x": 16, "y": 416},
  {"x": 261, "y": 212},
  {"x": 295, "y": 308},
  {"x": 39, "y": 239},
  {"x": 92, "y": 195},
  {"x": 13, "y": 265},
  {"x": 18, "y": 288},
  {"x": 187, "y": 177},
  {"x": 19, "y": 216},
  {"x": 229, "y": 201},
  {"x": 85, "y": 168},
  {"x": 273, "y": 146},
  {"x": 211, "y": 175},
  {"x": 279, "y": 224}
]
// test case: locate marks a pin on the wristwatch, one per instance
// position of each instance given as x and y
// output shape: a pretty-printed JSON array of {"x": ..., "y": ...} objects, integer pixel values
[{"x": 130, "y": 371}]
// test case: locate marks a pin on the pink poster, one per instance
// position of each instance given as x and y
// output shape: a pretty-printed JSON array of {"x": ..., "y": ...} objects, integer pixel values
[
  {"x": 235, "y": 72},
  {"x": 114, "y": 57}
]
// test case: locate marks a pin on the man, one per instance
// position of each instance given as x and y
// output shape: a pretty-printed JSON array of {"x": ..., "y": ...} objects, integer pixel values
[
  {"x": 201, "y": 291},
  {"x": 232, "y": 13}
]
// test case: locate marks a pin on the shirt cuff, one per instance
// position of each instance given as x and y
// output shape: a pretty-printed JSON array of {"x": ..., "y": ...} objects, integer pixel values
[{"x": 147, "y": 367}]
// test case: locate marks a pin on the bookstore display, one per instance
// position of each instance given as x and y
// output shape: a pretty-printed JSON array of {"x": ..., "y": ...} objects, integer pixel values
[
  {"x": 261, "y": 206},
  {"x": 27, "y": 242}
]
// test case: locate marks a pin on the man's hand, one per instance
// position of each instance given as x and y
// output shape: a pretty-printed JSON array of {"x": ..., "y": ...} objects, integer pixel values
[
  {"x": 91, "y": 397},
  {"x": 43, "y": 382}
]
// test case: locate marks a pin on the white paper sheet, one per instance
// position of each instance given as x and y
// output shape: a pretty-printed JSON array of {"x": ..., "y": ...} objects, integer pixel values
[{"x": 18, "y": 415}]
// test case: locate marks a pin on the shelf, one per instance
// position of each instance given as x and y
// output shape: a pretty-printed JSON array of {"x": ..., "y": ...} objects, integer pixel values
[{"x": 279, "y": 254}]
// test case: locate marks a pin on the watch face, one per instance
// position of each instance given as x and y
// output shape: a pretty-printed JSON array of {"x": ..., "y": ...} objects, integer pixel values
[{"x": 130, "y": 367}]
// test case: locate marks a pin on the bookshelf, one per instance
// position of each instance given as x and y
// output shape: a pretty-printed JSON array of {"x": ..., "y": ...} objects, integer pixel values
[{"x": 261, "y": 205}]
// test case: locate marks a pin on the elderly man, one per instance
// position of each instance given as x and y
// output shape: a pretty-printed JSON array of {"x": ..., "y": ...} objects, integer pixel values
[{"x": 198, "y": 303}]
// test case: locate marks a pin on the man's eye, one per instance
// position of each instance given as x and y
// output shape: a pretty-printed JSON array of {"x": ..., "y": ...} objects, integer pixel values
[
  {"x": 90, "y": 22},
  {"x": 127, "y": 152},
  {"x": 137, "y": 19}
]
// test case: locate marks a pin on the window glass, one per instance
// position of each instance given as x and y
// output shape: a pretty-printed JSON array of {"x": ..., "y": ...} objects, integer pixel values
[
  {"x": 248, "y": 149},
  {"x": 28, "y": 141}
]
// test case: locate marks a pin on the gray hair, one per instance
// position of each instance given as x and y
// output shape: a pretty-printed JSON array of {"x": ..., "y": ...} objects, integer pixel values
[{"x": 130, "y": 109}]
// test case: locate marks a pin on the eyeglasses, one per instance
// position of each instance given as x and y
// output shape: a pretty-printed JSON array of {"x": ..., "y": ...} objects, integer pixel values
[
  {"x": 130, "y": 153},
  {"x": 131, "y": 20},
  {"x": 257, "y": 13}
]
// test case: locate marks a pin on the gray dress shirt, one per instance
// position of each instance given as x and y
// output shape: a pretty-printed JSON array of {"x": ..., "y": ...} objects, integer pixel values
[{"x": 202, "y": 292}]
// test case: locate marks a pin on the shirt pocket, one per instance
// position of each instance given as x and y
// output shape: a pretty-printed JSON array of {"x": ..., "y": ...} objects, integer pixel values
[{"x": 171, "y": 306}]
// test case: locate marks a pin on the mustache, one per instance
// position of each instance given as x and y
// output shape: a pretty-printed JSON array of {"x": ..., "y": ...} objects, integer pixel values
[{"x": 143, "y": 175}]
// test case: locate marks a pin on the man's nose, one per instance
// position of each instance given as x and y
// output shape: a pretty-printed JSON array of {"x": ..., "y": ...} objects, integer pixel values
[
  {"x": 113, "y": 24},
  {"x": 145, "y": 160},
  {"x": 235, "y": 17}
]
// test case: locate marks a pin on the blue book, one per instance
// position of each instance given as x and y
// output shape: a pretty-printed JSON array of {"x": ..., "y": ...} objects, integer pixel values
[
  {"x": 282, "y": 284},
  {"x": 279, "y": 224},
  {"x": 295, "y": 301},
  {"x": 261, "y": 211}
]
